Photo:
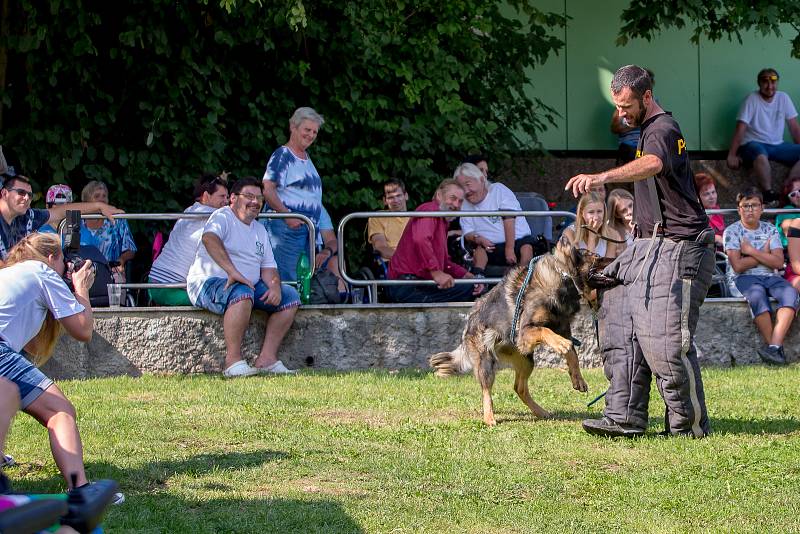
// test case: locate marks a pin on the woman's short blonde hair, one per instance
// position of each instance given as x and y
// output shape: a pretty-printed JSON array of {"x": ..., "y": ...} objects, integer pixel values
[
  {"x": 90, "y": 188},
  {"x": 306, "y": 114}
]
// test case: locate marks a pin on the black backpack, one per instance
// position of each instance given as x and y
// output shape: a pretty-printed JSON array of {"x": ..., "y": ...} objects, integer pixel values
[{"x": 98, "y": 293}]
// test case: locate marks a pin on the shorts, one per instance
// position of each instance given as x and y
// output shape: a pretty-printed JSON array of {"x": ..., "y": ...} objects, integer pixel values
[
  {"x": 757, "y": 289},
  {"x": 15, "y": 367},
  {"x": 789, "y": 274},
  {"x": 786, "y": 153},
  {"x": 498, "y": 255},
  {"x": 168, "y": 296},
  {"x": 216, "y": 299}
]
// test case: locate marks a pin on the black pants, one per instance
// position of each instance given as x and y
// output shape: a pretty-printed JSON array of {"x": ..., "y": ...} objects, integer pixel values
[{"x": 430, "y": 293}]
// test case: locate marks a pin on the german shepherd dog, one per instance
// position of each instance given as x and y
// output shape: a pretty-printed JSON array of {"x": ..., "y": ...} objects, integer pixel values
[{"x": 550, "y": 302}]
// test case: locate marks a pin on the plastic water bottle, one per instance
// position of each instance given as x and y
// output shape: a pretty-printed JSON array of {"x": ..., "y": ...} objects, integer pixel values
[{"x": 304, "y": 278}]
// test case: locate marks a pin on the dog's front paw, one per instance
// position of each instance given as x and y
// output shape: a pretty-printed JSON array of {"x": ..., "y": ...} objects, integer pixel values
[
  {"x": 579, "y": 384},
  {"x": 560, "y": 345}
]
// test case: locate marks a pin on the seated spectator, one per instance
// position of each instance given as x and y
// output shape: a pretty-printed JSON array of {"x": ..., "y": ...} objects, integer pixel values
[
  {"x": 18, "y": 219},
  {"x": 383, "y": 233},
  {"x": 503, "y": 241},
  {"x": 755, "y": 254},
  {"x": 56, "y": 194},
  {"x": 620, "y": 214},
  {"x": 589, "y": 231},
  {"x": 788, "y": 225},
  {"x": 293, "y": 185},
  {"x": 115, "y": 241},
  {"x": 422, "y": 255},
  {"x": 707, "y": 191},
  {"x": 35, "y": 306},
  {"x": 234, "y": 271},
  {"x": 628, "y": 135},
  {"x": 177, "y": 256},
  {"x": 791, "y": 200},
  {"x": 758, "y": 137},
  {"x": 327, "y": 256}
]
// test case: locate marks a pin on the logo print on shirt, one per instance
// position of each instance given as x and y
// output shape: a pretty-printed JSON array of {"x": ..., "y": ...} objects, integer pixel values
[{"x": 259, "y": 248}]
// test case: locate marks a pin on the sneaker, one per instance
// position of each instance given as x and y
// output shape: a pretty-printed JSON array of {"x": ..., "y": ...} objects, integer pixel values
[
  {"x": 118, "y": 499},
  {"x": 240, "y": 368},
  {"x": 772, "y": 355},
  {"x": 611, "y": 429},
  {"x": 7, "y": 461},
  {"x": 276, "y": 368}
]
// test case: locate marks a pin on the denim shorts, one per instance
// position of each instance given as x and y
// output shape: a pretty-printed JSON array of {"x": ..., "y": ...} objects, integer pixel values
[
  {"x": 786, "y": 153},
  {"x": 216, "y": 299},
  {"x": 14, "y": 366},
  {"x": 757, "y": 290}
]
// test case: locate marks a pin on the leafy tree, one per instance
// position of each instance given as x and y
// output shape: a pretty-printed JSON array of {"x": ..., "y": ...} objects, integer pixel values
[{"x": 713, "y": 19}]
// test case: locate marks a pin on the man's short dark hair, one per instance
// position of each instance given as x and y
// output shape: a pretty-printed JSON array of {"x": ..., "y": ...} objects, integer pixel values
[
  {"x": 11, "y": 181},
  {"x": 397, "y": 182},
  {"x": 634, "y": 77},
  {"x": 475, "y": 159},
  {"x": 241, "y": 183},
  {"x": 208, "y": 183},
  {"x": 750, "y": 192},
  {"x": 766, "y": 72}
]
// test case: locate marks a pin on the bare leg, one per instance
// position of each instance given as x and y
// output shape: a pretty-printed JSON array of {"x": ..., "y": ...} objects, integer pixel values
[
  {"x": 479, "y": 258},
  {"x": 763, "y": 172},
  {"x": 55, "y": 412},
  {"x": 333, "y": 266},
  {"x": 278, "y": 324},
  {"x": 234, "y": 324},
  {"x": 763, "y": 323},
  {"x": 794, "y": 172},
  {"x": 9, "y": 405},
  {"x": 783, "y": 320},
  {"x": 525, "y": 254}
]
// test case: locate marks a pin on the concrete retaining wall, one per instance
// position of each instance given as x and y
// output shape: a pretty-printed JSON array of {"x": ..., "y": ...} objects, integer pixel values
[{"x": 187, "y": 340}]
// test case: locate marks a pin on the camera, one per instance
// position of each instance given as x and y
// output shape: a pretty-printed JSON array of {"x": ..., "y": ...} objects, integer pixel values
[{"x": 72, "y": 241}]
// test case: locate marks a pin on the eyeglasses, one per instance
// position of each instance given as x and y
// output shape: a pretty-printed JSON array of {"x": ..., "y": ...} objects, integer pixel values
[
  {"x": 21, "y": 192},
  {"x": 750, "y": 207},
  {"x": 251, "y": 197},
  {"x": 770, "y": 78},
  {"x": 794, "y": 194}
]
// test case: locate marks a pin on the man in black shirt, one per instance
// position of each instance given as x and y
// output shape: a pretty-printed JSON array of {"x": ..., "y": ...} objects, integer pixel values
[{"x": 665, "y": 275}]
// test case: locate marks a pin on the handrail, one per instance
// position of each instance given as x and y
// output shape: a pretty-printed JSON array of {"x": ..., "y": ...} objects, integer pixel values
[
  {"x": 769, "y": 211},
  {"x": 370, "y": 214},
  {"x": 175, "y": 216}
]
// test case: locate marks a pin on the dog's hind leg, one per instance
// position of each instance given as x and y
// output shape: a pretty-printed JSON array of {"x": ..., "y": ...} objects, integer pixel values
[
  {"x": 484, "y": 372},
  {"x": 575, "y": 375},
  {"x": 523, "y": 367}
]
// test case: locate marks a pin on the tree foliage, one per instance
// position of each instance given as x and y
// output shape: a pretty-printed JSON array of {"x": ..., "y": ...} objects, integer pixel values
[
  {"x": 148, "y": 93},
  {"x": 713, "y": 19}
]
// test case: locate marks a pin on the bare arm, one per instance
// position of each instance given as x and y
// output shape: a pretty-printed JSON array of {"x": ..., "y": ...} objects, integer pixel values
[
  {"x": 275, "y": 202},
  {"x": 738, "y": 134},
  {"x": 634, "y": 171},
  {"x": 740, "y": 263},
  {"x": 58, "y": 212},
  {"x": 381, "y": 246},
  {"x": 794, "y": 129},
  {"x": 508, "y": 232},
  {"x": 772, "y": 258},
  {"x": 330, "y": 246},
  {"x": 81, "y": 325},
  {"x": 270, "y": 277}
]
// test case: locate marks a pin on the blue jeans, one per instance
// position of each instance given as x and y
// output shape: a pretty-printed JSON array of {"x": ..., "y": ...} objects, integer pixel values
[
  {"x": 287, "y": 245},
  {"x": 216, "y": 299},
  {"x": 757, "y": 289},
  {"x": 14, "y": 366},
  {"x": 786, "y": 153}
]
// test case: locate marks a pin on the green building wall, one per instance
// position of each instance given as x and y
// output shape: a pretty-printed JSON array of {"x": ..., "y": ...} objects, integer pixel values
[{"x": 702, "y": 85}]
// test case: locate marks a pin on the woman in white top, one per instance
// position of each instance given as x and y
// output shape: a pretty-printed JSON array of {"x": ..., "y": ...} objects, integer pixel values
[
  {"x": 35, "y": 304},
  {"x": 589, "y": 231},
  {"x": 620, "y": 214}
]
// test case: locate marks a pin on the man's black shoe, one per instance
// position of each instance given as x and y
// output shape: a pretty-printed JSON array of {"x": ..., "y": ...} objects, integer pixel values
[
  {"x": 611, "y": 429},
  {"x": 772, "y": 355}
]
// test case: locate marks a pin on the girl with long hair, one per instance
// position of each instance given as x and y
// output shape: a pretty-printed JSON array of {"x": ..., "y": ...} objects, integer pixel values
[
  {"x": 619, "y": 205},
  {"x": 590, "y": 231},
  {"x": 35, "y": 306}
]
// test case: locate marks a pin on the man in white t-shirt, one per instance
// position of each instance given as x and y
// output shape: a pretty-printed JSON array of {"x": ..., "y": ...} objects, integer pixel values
[
  {"x": 234, "y": 271},
  {"x": 173, "y": 263},
  {"x": 492, "y": 240},
  {"x": 758, "y": 138}
]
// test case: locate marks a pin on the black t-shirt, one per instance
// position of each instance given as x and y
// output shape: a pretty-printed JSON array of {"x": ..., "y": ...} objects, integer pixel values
[{"x": 684, "y": 216}]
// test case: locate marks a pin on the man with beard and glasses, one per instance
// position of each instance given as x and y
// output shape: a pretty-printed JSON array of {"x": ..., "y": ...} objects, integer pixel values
[
  {"x": 233, "y": 272},
  {"x": 758, "y": 137},
  {"x": 422, "y": 254},
  {"x": 648, "y": 322}
]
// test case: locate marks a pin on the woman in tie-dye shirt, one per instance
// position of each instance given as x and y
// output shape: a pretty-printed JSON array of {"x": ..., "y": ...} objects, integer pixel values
[
  {"x": 293, "y": 185},
  {"x": 114, "y": 240}
]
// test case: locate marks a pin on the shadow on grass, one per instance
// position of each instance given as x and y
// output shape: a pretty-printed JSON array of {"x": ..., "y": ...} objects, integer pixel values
[
  {"x": 399, "y": 374},
  {"x": 725, "y": 425}
]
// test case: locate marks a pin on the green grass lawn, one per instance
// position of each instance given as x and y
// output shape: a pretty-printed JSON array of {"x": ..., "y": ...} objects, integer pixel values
[{"x": 407, "y": 452}]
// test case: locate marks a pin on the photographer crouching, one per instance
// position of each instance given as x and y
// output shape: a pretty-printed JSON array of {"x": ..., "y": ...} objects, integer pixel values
[{"x": 35, "y": 305}]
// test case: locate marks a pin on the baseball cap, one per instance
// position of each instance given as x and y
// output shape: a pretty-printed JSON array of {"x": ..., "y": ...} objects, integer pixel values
[{"x": 59, "y": 194}]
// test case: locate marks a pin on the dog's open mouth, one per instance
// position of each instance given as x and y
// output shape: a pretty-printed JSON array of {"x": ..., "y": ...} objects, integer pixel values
[{"x": 595, "y": 278}]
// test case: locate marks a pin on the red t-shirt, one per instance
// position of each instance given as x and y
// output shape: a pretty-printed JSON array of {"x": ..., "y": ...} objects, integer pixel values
[{"x": 423, "y": 248}]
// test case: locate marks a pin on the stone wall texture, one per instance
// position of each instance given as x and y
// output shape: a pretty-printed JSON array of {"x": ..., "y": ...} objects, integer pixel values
[{"x": 186, "y": 340}]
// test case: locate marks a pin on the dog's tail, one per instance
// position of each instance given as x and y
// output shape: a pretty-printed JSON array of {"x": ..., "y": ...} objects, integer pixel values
[{"x": 446, "y": 364}]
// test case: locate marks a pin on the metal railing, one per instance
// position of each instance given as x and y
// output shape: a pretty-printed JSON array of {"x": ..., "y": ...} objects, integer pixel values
[
  {"x": 366, "y": 215},
  {"x": 769, "y": 211},
  {"x": 175, "y": 216}
]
